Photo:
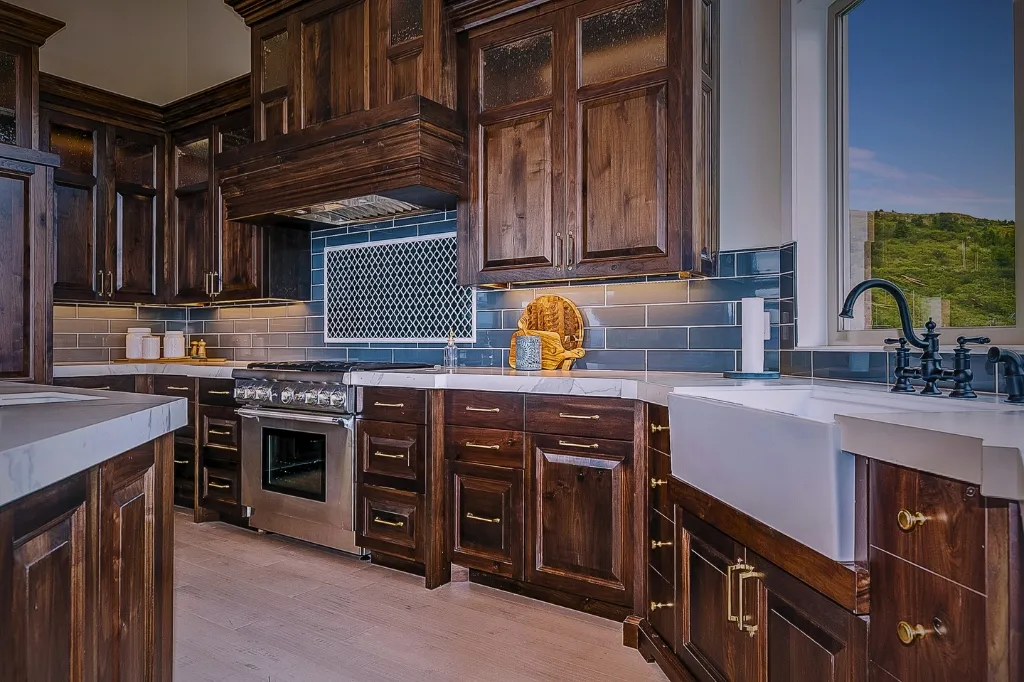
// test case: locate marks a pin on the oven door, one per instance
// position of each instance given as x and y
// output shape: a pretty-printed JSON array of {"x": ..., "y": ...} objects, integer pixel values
[{"x": 298, "y": 476}]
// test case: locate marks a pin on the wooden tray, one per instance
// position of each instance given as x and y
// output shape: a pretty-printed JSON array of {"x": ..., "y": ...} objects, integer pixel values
[
  {"x": 553, "y": 315},
  {"x": 169, "y": 361}
]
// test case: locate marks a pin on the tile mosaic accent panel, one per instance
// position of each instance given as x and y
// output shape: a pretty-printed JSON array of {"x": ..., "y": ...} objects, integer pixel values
[{"x": 396, "y": 290}]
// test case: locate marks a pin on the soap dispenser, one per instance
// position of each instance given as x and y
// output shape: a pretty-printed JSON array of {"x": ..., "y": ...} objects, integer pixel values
[{"x": 451, "y": 352}]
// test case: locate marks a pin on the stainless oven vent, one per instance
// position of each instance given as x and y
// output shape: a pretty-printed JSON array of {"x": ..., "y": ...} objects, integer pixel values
[{"x": 355, "y": 210}]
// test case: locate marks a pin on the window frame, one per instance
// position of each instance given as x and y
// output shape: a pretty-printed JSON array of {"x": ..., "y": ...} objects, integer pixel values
[{"x": 838, "y": 164}]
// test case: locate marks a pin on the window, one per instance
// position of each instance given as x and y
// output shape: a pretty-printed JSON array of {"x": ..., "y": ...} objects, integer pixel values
[{"x": 925, "y": 178}]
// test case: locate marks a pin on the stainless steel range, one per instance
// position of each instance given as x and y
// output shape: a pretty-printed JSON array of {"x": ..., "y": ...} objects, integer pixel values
[{"x": 298, "y": 460}]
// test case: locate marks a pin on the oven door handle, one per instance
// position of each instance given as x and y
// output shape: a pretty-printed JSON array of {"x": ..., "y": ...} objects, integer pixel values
[{"x": 252, "y": 413}]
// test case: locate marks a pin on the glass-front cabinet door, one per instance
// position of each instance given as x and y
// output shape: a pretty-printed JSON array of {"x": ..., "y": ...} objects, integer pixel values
[
  {"x": 16, "y": 95},
  {"x": 138, "y": 206}
]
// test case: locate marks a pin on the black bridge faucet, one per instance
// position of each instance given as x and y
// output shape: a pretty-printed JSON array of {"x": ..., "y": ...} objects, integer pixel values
[{"x": 930, "y": 370}]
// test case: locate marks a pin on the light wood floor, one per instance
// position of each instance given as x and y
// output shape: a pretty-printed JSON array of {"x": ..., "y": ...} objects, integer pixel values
[{"x": 259, "y": 608}]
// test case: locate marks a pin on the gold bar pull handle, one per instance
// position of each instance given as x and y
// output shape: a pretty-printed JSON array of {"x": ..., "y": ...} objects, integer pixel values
[
  {"x": 393, "y": 524},
  {"x": 592, "y": 417},
  {"x": 218, "y": 432},
  {"x": 655, "y": 605},
  {"x": 655, "y": 482},
  {"x": 178, "y": 388},
  {"x": 478, "y": 446},
  {"x": 395, "y": 405},
  {"x": 908, "y": 520},
  {"x": 493, "y": 410},
  {"x": 219, "y": 486},
  {"x": 103, "y": 283},
  {"x": 181, "y": 461},
  {"x": 587, "y": 446},
  {"x": 751, "y": 629},
  {"x": 110, "y": 285},
  {"x": 558, "y": 250},
  {"x": 219, "y": 392},
  {"x": 473, "y": 517},
  {"x": 387, "y": 455},
  {"x": 658, "y": 428},
  {"x": 739, "y": 565},
  {"x": 658, "y": 544}
]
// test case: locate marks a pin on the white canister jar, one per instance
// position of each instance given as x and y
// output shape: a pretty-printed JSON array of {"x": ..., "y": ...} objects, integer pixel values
[
  {"x": 133, "y": 342},
  {"x": 174, "y": 345},
  {"x": 151, "y": 347}
]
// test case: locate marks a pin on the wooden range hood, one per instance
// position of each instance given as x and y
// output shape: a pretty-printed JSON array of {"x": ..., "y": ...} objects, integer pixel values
[{"x": 353, "y": 107}]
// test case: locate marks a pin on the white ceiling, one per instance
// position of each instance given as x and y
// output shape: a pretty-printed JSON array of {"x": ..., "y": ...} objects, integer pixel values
[{"x": 153, "y": 50}]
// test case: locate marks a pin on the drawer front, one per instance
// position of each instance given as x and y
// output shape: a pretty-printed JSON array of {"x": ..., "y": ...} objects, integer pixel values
[
  {"x": 220, "y": 487},
  {"x": 388, "y": 521},
  {"x": 951, "y": 644},
  {"x": 119, "y": 382},
  {"x": 179, "y": 387},
  {"x": 930, "y": 521},
  {"x": 184, "y": 474},
  {"x": 217, "y": 392},
  {"x": 220, "y": 429},
  {"x": 661, "y": 607},
  {"x": 389, "y": 449},
  {"x": 393, "y": 405},
  {"x": 661, "y": 551},
  {"x": 657, "y": 428},
  {"x": 484, "y": 409},
  {"x": 571, "y": 416},
  {"x": 660, "y": 470},
  {"x": 485, "y": 446},
  {"x": 487, "y": 514}
]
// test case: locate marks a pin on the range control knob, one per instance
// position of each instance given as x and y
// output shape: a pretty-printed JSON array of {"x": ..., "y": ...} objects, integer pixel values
[
  {"x": 287, "y": 395},
  {"x": 239, "y": 393},
  {"x": 338, "y": 399},
  {"x": 249, "y": 393},
  {"x": 310, "y": 396},
  {"x": 323, "y": 397},
  {"x": 263, "y": 393}
]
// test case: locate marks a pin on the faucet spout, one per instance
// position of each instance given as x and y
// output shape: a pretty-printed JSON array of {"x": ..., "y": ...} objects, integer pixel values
[{"x": 901, "y": 304}]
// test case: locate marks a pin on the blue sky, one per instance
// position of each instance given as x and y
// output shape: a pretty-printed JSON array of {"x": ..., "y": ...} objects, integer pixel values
[{"x": 931, "y": 106}]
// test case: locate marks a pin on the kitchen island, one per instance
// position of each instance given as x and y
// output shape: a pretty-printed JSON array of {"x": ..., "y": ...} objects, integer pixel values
[{"x": 86, "y": 545}]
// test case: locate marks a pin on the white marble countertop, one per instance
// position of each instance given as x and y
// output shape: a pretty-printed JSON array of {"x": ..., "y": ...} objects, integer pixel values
[
  {"x": 984, "y": 448},
  {"x": 44, "y": 443},
  {"x": 220, "y": 370},
  {"x": 651, "y": 387}
]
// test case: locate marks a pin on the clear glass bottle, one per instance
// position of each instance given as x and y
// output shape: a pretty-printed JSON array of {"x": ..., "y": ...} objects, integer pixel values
[{"x": 451, "y": 352}]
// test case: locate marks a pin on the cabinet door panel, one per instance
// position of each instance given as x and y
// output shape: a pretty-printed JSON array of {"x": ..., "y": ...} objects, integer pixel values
[
  {"x": 77, "y": 242},
  {"x": 487, "y": 518},
  {"x": 127, "y": 579},
  {"x": 16, "y": 228},
  {"x": 334, "y": 68},
  {"x": 192, "y": 246},
  {"x": 136, "y": 244},
  {"x": 623, "y": 188},
  {"x": 709, "y": 642},
  {"x": 43, "y": 585},
  {"x": 240, "y": 258},
  {"x": 581, "y": 518}
]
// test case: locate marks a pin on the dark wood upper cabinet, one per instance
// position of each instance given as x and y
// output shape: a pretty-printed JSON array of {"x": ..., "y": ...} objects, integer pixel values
[
  {"x": 592, "y": 142},
  {"x": 136, "y": 228},
  {"x": 22, "y": 33},
  {"x": 318, "y": 60}
]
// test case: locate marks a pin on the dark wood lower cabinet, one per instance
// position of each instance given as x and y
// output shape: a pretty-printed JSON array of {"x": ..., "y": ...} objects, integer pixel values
[
  {"x": 86, "y": 567},
  {"x": 486, "y": 511}
]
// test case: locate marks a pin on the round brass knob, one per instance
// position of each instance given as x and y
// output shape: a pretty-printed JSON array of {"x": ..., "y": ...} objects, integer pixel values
[
  {"x": 908, "y": 520},
  {"x": 908, "y": 633}
]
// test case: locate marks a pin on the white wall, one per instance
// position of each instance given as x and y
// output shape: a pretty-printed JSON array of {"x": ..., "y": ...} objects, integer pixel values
[
  {"x": 218, "y": 45},
  {"x": 154, "y": 50},
  {"x": 750, "y": 108}
]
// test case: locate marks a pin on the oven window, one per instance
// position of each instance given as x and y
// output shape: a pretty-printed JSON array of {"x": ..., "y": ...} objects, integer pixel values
[{"x": 295, "y": 463}]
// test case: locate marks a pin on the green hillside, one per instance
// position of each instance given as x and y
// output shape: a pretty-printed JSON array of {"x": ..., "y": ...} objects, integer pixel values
[{"x": 967, "y": 261}]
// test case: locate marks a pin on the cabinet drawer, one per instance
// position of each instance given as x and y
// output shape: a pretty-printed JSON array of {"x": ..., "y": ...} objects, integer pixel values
[
  {"x": 393, "y": 405},
  {"x": 220, "y": 429},
  {"x": 661, "y": 551},
  {"x": 119, "y": 382},
  {"x": 485, "y": 446},
  {"x": 944, "y": 521},
  {"x": 389, "y": 449},
  {"x": 661, "y": 608},
  {"x": 388, "y": 521},
  {"x": 571, "y": 416},
  {"x": 484, "y": 409},
  {"x": 657, "y": 428},
  {"x": 179, "y": 387},
  {"x": 487, "y": 516},
  {"x": 184, "y": 460},
  {"x": 952, "y": 645},
  {"x": 660, "y": 468},
  {"x": 217, "y": 392},
  {"x": 220, "y": 487}
]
